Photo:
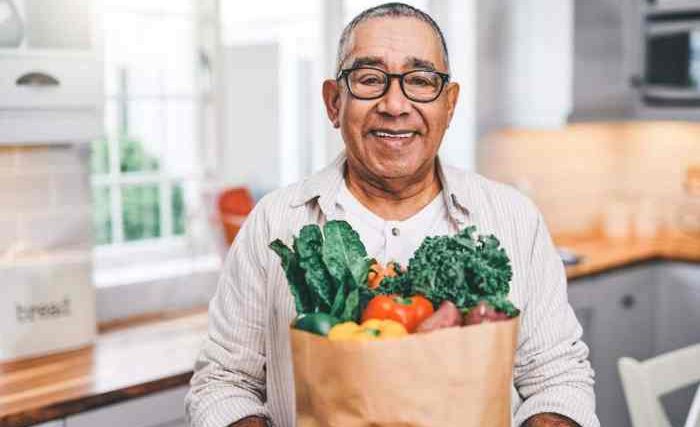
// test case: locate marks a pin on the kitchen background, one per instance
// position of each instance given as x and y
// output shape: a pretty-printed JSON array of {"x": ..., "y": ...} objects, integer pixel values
[{"x": 136, "y": 135}]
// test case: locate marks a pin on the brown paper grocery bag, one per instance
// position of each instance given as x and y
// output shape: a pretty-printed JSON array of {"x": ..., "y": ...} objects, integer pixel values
[{"x": 449, "y": 377}]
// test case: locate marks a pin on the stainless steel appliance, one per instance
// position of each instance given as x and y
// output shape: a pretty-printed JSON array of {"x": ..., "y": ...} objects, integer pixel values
[{"x": 672, "y": 54}]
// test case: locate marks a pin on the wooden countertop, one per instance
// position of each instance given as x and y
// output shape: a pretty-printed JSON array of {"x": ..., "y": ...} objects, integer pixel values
[
  {"x": 137, "y": 357},
  {"x": 603, "y": 254},
  {"x": 129, "y": 359}
]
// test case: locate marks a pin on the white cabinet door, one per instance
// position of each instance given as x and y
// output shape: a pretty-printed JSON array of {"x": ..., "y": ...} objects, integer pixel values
[
  {"x": 615, "y": 312},
  {"x": 51, "y": 81},
  {"x": 156, "y": 410}
]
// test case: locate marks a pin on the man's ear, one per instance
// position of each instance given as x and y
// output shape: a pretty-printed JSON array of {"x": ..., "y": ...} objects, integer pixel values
[
  {"x": 331, "y": 97},
  {"x": 452, "y": 97}
]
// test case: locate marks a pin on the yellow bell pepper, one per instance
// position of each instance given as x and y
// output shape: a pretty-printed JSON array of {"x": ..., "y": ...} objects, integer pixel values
[{"x": 370, "y": 330}]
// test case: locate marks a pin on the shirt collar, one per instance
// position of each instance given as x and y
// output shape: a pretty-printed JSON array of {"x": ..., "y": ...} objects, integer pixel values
[{"x": 324, "y": 186}]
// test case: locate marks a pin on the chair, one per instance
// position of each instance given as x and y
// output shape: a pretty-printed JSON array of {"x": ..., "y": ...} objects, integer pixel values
[
  {"x": 234, "y": 205},
  {"x": 643, "y": 383}
]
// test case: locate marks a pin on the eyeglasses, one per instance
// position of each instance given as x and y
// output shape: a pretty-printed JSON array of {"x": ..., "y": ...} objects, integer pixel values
[{"x": 371, "y": 83}]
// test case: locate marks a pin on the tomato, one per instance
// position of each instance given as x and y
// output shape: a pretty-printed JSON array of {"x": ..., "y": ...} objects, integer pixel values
[{"x": 410, "y": 312}]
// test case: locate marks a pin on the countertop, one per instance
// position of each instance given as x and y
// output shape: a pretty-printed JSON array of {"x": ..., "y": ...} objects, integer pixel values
[
  {"x": 128, "y": 360},
  {"x": 601, "y": 254},
  {"x": 141, "y": 356}
]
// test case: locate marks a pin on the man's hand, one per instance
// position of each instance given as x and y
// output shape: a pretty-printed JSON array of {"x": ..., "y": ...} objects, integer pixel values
[
  {"x": 550, "y": 420},
  {"x": 250, "y": 422}
]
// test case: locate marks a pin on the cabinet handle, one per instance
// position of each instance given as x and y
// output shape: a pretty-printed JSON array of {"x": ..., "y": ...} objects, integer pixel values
[
  {"x": 628, "y": 301},
  {"x": 36, "y": 79}
]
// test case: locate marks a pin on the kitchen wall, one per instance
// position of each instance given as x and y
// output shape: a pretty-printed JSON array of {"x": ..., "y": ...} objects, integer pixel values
[
  {"x": 44, "y": 199},
  {"x": 582, "y": 175}
]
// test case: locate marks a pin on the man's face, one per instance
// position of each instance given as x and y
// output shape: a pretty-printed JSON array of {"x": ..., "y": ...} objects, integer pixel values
[{"x": 391, "y": 137}]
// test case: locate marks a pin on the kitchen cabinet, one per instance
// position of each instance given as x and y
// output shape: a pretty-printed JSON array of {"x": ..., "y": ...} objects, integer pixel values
[
  {"x": 677, "y": 314},
  {"x": 156, "y": 410},
  {"x": 523, "y": 73},
  {"x": 677, "y": 324},
  {"x": 51, "y": 80},
  {"x": 607, "y": 43},
  {"x": 615, "y": 312}
]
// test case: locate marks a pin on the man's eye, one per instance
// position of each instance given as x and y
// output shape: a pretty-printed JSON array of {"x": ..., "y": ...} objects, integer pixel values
[
  {"x": 421, "y": 81},
  {"x": 370, "y": 80}
]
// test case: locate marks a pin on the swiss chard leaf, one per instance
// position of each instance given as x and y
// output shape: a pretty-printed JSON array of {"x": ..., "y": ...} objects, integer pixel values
[
  {"x": 309, "y": 246},
  {"x": 351, "y": 313},
  {"x": 344, "y": 254},
  {"x": 303, "y": 300},
  {"x": 339, "y": 302}
]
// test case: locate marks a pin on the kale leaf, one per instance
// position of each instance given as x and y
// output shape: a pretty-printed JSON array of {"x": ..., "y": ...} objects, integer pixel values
[{"x": 464, "y": 269}]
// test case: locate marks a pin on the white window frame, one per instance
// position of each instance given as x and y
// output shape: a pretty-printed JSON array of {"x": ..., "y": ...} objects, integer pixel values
[{"x": 130, "y": 262}]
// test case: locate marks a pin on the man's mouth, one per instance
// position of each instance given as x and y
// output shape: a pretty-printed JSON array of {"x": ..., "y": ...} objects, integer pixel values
[{"x": 388, "y": 134}]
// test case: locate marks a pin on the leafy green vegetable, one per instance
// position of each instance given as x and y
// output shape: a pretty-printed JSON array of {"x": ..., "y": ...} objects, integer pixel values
[
  {"x": 464, "y": 269},
  {"x": 326, "y": 270},
  {"x": 295, "y": 276},
  {"x": 344, "y": 254},
  {"x": 352, "y": 306},
  {"x": 309, "y": 246}
]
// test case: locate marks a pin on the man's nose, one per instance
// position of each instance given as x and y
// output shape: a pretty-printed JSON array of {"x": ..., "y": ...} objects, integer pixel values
[{"x": 394, "y": 102}]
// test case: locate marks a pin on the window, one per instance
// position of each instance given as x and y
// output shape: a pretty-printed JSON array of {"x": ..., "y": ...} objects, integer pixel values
[{"x": 146, "y": 163}]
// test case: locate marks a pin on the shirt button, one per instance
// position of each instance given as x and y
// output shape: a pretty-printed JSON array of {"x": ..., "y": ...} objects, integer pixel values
[{"x": 395, "y": 231}]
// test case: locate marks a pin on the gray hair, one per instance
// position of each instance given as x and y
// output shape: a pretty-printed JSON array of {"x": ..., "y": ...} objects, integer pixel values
[{"x": 390, "y": 10}]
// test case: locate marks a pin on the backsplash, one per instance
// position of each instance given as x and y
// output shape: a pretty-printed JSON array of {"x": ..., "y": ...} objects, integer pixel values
[
  {"x": 44, "y": 199},
  {"x": 593, "y": 177}
]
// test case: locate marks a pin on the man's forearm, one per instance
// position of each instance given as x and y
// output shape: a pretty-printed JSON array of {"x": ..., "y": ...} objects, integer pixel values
[
  {"x": 550, "y": 420},
  {"x": 250, "y": 422}
]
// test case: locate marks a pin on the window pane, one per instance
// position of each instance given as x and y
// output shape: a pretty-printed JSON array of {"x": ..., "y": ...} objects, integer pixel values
[
  {"x": 101, "y": 216},
  {"x": 141, "y": 212},
  {"x": 178, "y": 56},
  {"x": 99, "y": 157},
  {"x": 155, "y": 52},
  {"x": 132, "y": 47},
  {"x": 149, "y": 6},
  {"x": 180, "y": 134},
  {"x": 178, "y": 206},
  {"x": 140, "y": 146}
]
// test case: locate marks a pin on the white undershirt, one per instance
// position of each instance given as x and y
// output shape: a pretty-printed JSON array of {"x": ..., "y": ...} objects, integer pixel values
[{"x": 392, "y": 240}]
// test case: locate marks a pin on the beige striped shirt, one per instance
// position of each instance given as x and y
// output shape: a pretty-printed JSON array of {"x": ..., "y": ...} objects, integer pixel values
[{"x": 245, "y": 369}]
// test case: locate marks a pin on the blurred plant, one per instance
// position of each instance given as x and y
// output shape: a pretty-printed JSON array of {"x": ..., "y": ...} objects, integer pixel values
[{"x": 140, "y": 202}]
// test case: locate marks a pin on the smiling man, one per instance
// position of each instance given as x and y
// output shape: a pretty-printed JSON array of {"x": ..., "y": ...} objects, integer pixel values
[{"x": 392, "y": 100}]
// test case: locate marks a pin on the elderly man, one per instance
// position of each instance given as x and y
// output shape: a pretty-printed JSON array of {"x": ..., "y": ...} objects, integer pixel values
[{"x": 392, "y": 101}]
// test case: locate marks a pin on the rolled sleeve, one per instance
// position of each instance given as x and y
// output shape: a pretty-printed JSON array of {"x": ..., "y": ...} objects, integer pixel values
[
  {"x": 552, "y": 371},
  {"x": 229, "y": 376}
]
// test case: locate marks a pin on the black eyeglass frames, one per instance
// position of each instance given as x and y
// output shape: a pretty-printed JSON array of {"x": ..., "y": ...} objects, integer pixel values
[{"x": 371, "y": 83}]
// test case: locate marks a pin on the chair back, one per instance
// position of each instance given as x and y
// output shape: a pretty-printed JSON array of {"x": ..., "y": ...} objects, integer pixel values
[{"x": 643, "y": 383}]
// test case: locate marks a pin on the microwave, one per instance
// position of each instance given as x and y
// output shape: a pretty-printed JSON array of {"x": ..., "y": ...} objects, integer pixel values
[{"x": 672, "y": 59}]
